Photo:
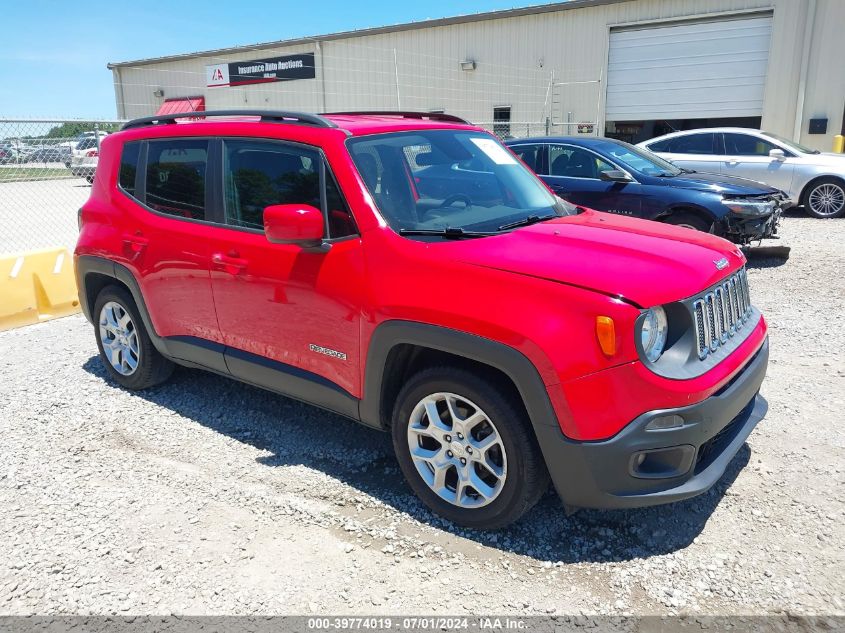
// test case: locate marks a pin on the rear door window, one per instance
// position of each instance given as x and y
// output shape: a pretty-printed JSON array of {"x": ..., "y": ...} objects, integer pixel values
[
  {"x": 660, "y": 146},
  {"x": 693, "y": 144},
  {"x": 175, "y": 178}
]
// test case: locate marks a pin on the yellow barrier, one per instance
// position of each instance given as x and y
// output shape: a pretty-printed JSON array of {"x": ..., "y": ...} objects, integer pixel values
[
  {"x": 36, "y": 286},
  {"x": 839, "y": 144}
]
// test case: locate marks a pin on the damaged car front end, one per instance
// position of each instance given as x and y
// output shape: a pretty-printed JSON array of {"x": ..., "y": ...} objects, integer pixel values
[{"x": 752, "y": 218}]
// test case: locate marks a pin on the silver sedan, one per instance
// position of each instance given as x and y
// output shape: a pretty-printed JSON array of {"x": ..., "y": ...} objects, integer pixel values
[{"x": 810, "y": 178}]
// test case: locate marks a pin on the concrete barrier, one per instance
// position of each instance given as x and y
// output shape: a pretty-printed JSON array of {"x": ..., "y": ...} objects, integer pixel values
[{"x": 36, "y": 286}]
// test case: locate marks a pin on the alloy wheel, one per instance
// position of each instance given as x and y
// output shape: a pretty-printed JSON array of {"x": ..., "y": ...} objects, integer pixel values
[
  {"x": 457, "y": 450},
  {"x": 827, "y": 199},
  {"x": 119, "y": 338}
]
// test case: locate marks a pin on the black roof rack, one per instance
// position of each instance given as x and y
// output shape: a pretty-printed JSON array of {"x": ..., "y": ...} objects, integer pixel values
[
  {"x": 434, "y": 116},
  {"x": 267, "y": 116}
]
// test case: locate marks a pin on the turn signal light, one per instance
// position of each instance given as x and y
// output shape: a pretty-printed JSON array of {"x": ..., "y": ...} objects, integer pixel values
[{"x": 606, "y": 333}]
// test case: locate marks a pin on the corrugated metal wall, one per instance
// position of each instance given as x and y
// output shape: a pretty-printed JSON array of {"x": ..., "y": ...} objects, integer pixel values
[{"x": 534, "y": 63}]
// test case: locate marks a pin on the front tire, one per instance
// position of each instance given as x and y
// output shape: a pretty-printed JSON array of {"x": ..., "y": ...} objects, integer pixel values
[
  {"x": 689, "y": 221},
  {"x": 125, "y": 347},
  {"x": 825, "y": 198},
  {"x": 466, "y": 448}
]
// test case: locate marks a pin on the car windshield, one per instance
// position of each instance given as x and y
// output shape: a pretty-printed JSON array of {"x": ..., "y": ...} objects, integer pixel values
[
  {"x": 640, "y": 160},
  {"x": 797, "y": 147},
  {"x": 451, "y": 179}
]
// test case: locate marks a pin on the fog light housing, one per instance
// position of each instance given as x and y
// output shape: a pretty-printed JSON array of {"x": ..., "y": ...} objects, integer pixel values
[
  {"x": 662, "y": 463},
  {"x": 665, "y": 422}
]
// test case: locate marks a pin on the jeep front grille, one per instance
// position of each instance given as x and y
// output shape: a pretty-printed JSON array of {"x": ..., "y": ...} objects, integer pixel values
[{"x": 721, "y": 312}]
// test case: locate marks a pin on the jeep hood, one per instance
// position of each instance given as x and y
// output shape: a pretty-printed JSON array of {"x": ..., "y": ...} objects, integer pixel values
[{"x": 643, "y": 262}]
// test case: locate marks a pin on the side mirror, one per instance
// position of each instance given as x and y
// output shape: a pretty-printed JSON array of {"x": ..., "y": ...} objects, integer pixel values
[
  {"x": 299, "y": 224},
  {"x": 777, "y": 154},
  {"x": 615, "y": 175}
]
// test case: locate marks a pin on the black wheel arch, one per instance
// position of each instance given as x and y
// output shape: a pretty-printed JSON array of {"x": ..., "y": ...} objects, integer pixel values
[
  {"x": 397, "y": 346},
  {"x": 706, "y": 214},
  {"x": 95, "y": 273}
]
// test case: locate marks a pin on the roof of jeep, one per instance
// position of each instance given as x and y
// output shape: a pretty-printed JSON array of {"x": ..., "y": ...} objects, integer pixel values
[
  {"x": 358, "y": 124},
  {"x": 353, "y": 123}
]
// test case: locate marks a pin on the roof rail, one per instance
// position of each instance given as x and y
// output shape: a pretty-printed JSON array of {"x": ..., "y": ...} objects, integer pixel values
[
  {"x": 267, "y": 116},
  {"x": 434, "y": 116}
]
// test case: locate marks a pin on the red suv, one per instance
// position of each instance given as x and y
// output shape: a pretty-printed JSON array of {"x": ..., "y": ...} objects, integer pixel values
[{"x": 405, "y": 270}]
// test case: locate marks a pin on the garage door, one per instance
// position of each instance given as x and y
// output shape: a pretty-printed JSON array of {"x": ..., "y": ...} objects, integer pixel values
[{"x": 692, "y": 71}]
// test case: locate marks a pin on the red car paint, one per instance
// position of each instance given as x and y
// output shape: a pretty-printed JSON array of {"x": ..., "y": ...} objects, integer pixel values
[{"x": 536, "y": 289}]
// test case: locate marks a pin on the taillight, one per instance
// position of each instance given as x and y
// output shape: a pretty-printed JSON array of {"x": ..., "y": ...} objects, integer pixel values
[{"x": 92, "y": 153}]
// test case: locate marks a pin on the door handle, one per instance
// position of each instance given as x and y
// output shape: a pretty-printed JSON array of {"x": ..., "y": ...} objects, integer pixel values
[
  {"x": 733, "y": 161},
  {"x": 135, "y": 243},
  {"x": 231, "y": 263}
]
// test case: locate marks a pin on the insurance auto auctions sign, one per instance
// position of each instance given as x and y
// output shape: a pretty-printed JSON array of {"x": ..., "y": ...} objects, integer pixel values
[{"x": 282, "y": 68}]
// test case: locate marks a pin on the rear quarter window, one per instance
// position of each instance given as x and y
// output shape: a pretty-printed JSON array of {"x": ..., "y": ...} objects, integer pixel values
[{"x": 129, "y": 167}]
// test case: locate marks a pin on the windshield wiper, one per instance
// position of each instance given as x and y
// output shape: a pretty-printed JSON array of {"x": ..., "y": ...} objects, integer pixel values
[
  {"x": 450, "y": 233},
  {"x": 531, "y": 219}
]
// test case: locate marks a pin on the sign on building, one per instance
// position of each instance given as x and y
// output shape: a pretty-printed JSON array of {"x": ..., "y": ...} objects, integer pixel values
[{"x": 281, "y": 68}]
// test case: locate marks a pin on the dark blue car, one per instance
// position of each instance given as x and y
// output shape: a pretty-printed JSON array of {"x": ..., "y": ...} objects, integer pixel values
[{"x": 609, "y": 175}]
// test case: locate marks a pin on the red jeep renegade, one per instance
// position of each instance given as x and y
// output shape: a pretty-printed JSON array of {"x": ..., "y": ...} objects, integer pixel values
[{"x": 405, "y": 270}]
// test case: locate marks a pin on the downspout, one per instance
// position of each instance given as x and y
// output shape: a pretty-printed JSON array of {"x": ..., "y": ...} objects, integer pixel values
[
  {"x": 322, "y": 75},
  {"x": 809, "y": 25}
]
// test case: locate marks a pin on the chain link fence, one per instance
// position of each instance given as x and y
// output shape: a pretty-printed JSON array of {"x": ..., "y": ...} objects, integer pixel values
[
  {"x": 46, "y": 167},
  {"x": 45, "y": 171}
]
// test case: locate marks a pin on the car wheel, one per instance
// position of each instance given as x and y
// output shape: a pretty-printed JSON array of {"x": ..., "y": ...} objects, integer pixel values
[
  {"x": 825, "y": 198},
  {"x": 467, "y": 449},
  {"x": 689, "y": 221},
  {"x": 125, "y": 347}
]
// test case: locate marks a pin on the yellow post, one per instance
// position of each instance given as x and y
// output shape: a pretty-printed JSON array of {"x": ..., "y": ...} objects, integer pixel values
[{"x": 839, "y": 144}]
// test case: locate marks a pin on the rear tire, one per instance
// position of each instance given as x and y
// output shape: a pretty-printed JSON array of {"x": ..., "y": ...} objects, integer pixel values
[
  {"x": 688, "y": 220},
  {"x": 126, "y": 350},
  {"x": 825, "y": 198},
  {"x": 481, "y": 468}
]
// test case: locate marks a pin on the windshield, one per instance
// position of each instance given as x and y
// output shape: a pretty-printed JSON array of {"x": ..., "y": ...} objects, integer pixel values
[
  {"x": 640, "y": 160},
  {"x": 797, "y": 147},
  {"x": 456, "y": 179}
]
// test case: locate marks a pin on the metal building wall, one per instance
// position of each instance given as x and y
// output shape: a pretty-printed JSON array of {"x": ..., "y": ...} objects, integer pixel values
[{"x": 518, "y": 58}]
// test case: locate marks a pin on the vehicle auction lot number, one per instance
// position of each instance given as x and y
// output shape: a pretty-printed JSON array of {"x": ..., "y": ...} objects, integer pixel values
[{"x": 416, "y": 624}]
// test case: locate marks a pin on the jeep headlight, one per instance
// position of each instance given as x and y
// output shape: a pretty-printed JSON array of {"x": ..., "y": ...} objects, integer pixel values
[
  {"x": 750, "y": 208},
  {"x": 653, "y": 331}
]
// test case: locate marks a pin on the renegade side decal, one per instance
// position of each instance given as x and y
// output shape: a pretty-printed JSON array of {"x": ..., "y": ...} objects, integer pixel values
[{"x": 328, "y": 352}]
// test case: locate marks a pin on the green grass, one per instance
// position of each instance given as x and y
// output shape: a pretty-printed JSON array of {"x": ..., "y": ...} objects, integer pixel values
[{"x": 10, "y": 173}]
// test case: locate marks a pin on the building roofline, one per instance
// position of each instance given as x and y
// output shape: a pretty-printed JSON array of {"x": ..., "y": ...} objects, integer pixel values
[{"x": 406, "y": 26}]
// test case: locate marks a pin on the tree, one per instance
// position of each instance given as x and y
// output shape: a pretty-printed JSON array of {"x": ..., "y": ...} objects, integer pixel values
[{"x": 71, "y": 129}]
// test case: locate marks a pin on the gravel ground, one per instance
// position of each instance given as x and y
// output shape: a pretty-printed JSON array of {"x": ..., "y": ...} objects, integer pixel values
[{"x": 205, "y": 496}]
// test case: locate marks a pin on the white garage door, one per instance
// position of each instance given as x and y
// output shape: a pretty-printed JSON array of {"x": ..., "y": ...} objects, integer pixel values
[{"x": 690, "y": 71}]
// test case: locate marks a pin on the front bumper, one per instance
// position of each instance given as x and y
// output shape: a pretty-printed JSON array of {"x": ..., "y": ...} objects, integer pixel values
[
  {"x": 677, "y": 463},
  {"x": 742, "y": 230}
]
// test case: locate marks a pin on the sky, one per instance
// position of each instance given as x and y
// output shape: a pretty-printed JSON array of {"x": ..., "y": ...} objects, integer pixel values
[{"x": 53, "y": 54}]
